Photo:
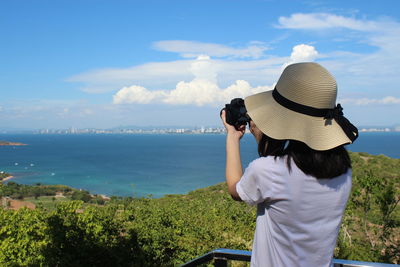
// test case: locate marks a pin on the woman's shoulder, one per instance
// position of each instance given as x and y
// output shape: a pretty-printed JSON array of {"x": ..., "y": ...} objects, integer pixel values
[
  {"x": 267, "y": 172},
  {"x": 268, "y": 162}
]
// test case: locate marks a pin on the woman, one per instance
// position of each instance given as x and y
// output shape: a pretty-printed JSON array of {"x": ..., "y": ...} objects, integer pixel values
[{"x": 302, "y": 180}]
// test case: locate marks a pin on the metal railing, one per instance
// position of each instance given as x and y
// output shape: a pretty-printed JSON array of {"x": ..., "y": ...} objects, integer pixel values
[{"x": 221, "y": 257}]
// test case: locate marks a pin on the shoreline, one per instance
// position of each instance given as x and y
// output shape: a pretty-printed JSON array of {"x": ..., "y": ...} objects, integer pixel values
[
  {"x": 6, "y": 143},
  {"x": 7, "y": 178}
]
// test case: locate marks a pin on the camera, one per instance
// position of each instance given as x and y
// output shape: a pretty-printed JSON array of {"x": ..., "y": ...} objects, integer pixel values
[{"x": 236, "y": 113}]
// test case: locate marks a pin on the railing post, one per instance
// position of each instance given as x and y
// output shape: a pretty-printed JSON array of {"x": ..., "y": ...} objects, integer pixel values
[{"x": 220, "y": 262}]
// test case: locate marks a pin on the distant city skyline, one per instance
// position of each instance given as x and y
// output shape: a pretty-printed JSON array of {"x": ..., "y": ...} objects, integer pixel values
[
  {"x": 160, "y": 130},
  {"x": 102, "y": 64}
]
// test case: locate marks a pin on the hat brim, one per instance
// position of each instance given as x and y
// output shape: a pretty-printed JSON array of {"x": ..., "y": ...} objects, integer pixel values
[{"x": 281, "y": 123}]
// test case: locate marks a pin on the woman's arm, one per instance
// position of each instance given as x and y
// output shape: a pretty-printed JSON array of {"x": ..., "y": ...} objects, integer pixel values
[{"x": 234, "y": 169}]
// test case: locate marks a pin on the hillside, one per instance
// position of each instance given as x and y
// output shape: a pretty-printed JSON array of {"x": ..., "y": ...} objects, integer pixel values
[{"x": 176, "y": 228}]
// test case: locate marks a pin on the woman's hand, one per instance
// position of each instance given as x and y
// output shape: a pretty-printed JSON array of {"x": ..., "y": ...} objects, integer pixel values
[{"x": 232, "y": 130}]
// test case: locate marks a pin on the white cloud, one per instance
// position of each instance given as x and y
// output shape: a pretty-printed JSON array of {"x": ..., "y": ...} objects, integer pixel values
[
  {"x": 40, "y": 109},
  {"x": 382, "y": 33},
  {"x": 319, "y": 21},
  {"x": 204, "y": 69},
  {"x": 137, "y": 94},
  {"x": 203, "y": 81},
  {"x": 153, "y": 74},
  {"x": 198, "y": 92},
  {"x": 239, "y": 63},
  {"x": 87, "y": 112},
  {"x": 63, "y": 112},
  {"x": 165, "y": 75},
  {"x": 202, "y": 90},
  {"x": 388, "y": 100},
  {"x": 302, "y": 53},
  {"x": 204, "y": 74},
  {"x": 376, "y": 68},
  {"x": 194, "y": 49}
]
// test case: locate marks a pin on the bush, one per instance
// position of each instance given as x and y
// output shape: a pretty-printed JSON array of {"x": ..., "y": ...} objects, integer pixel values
[{"x": 81, "y": 195}]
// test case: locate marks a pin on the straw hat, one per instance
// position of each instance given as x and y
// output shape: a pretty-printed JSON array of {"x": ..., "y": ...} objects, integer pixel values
[{"x": 302, "y": 107}]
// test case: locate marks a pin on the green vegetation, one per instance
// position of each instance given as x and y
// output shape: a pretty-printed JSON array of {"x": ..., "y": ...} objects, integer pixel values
[
  {"x": 371, "y": 224},
  {"x": 47, "y": 202},
  {"x": 19, "y": 191},
  {"x": 176, "y": 228},
  {"x": 41, "y": 194}
]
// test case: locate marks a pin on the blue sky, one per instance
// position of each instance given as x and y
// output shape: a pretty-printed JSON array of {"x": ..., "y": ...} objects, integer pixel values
[{"x": 111, "y": 63}]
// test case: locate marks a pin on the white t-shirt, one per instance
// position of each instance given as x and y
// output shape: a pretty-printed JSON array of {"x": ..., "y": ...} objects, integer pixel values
[{"x": 298, "y": 216}]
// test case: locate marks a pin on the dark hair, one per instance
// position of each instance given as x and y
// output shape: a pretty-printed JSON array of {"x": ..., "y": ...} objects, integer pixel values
[{"x": 320, "y": 164}]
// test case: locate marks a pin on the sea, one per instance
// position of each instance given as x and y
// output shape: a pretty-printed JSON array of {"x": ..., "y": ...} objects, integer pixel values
[{"x": 147, "y": 165}]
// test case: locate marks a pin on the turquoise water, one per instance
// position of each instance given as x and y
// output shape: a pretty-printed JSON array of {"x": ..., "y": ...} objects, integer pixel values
[{"x": 139, "y": 165}]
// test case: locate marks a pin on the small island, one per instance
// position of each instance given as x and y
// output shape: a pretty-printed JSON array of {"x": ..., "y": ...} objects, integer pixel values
[
  {"x": 6, "y": 143},
  {"x": 5, "y": 176}
]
